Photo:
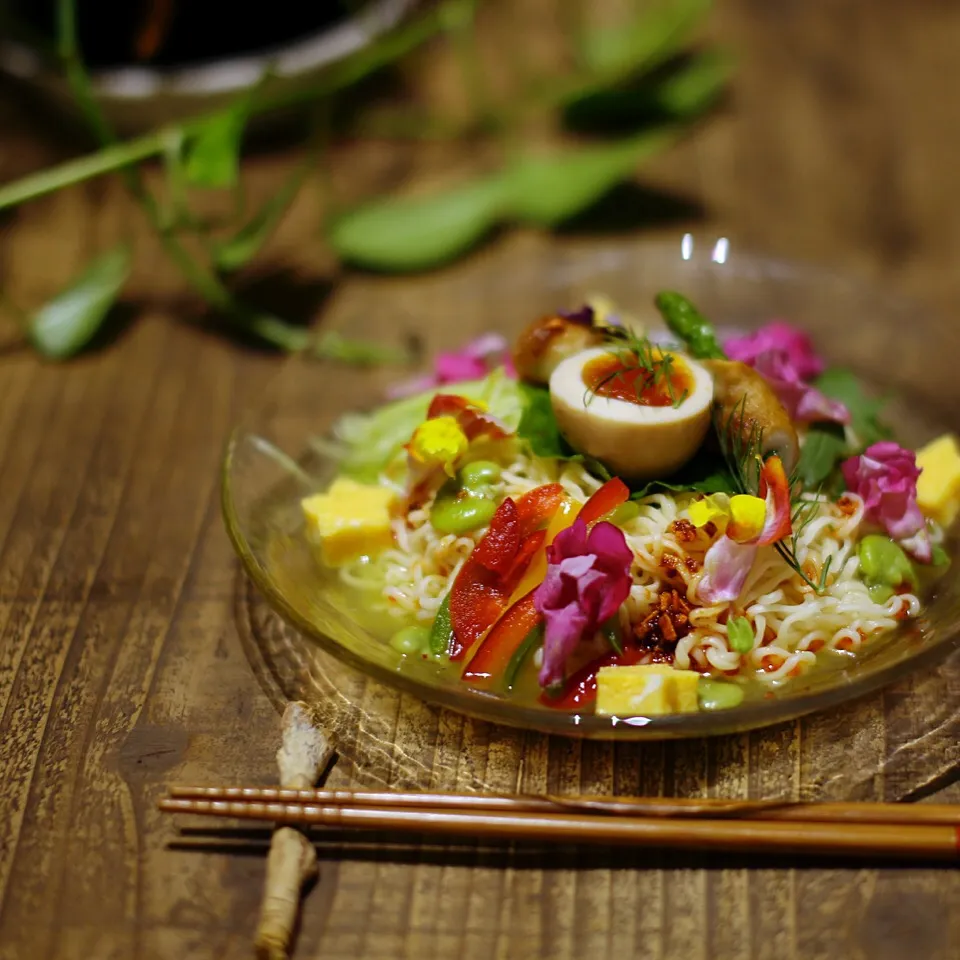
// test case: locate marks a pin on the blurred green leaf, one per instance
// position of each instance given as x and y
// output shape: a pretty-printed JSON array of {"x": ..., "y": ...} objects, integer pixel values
[
  {"x": 411, "y": 233},
  {"x": 682, "y": 90},
  {"x": 548, "y": 190},
  {"x": 68, "y": 322},
  {"x": 234, "y": 252},
  {"x": 334, "y": 346},
  {"x": 648, "y": 41},
  {"x": 212, "y": 155},
  {"x": 694, "y": 87}
]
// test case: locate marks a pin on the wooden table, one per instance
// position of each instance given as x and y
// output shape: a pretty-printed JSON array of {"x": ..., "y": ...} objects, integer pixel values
[{"x": 122, "y": 668}]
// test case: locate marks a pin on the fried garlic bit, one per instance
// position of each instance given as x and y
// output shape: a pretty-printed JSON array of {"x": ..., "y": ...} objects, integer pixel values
[{"x": 304, "y": 752}]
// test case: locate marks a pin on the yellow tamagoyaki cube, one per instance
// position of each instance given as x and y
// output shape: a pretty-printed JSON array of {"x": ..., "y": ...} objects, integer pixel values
[
  {"x": 938, "y": 487},
  {"x": 350, "y": 520},
  {"x": 646, "y": 689}
]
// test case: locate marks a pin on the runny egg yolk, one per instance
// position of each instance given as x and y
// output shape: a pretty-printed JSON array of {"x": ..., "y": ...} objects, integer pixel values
[{"x": 664, "y": 380}]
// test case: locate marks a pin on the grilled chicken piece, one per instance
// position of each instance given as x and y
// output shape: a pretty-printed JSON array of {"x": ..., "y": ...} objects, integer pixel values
[
  {"x": 745, "y": 396},
  {"x": 546, "y": 342}
]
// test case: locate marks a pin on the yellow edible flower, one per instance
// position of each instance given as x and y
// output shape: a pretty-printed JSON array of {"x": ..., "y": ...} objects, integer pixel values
[
  {"x": 746, "y": 517},
  {"x": 439, "y": 441},
  {"x": 741, "y": 516},
  {"x": 713, "y": 509}
]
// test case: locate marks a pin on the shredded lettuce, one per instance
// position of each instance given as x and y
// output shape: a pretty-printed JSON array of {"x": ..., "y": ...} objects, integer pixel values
[{"x": 373, "y": 440}]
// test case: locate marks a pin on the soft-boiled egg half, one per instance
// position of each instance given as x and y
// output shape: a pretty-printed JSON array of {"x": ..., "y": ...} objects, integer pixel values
[{"x": 642, "y": 416}]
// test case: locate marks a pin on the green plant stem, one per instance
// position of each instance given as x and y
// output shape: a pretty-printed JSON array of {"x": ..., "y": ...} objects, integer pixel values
[
  {"x": 204, "y": 281},
  {"x": 121, "y": 155},
  {"x": 462, "y": 29}
]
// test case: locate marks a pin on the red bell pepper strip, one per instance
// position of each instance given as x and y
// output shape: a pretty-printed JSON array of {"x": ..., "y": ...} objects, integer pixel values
[
  {"x": 565, "y": 515},
  {"x": 536, "y": 507},
  {"x": 500, "y": 543},
  {"x": 486, "y": 594},
  {"x": 494, "y": 653},
  {"x": 580, "y": 690},
  {"x": 605, "y": 500},
  {"x": 476, "y": 601},
  {"x": 479, "y": 592},
  {"x": 528, "y": 549}
]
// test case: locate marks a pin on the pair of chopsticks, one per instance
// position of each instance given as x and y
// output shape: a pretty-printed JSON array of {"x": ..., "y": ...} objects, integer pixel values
[{"x": 878, "y": 830}]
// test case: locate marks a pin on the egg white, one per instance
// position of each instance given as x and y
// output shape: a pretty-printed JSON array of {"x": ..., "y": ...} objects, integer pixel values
[{"x": 633, "y": 441}]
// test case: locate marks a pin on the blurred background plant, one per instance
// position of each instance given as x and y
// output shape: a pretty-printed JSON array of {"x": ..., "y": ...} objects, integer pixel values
[{"x": 549, "y": 141}]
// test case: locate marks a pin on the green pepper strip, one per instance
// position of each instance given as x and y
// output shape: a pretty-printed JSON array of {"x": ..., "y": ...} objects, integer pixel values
[
  {"x": 530, "y": 643},
  {"x": 441, "y": 633}
]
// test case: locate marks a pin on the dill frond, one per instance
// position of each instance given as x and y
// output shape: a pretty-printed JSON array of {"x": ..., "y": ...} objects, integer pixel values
[{"x": 744, "y": 459}]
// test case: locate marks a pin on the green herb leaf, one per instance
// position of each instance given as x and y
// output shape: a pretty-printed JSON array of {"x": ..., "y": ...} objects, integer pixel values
[
  {"x": 412, "y": 233},
  {"x": 68, "y": 322},
  {"x": 646, "y": 42},
  {"x": 842, "y": 385},
  {"x": 705, "y": 473},
  {"x": 740, "y": 634},
  {"x": 549, "y": 190},
  {"x": 212, "y": 156},
  {"x": 824, "y": 447},
  {"x": 538, "y": 425},
  {"x": 613, "y": 633}
]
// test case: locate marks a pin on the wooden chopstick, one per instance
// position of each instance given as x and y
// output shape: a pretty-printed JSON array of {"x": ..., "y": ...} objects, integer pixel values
[
  {"x": 664, "y": 807},
  {"x": 910, "y": 841}
]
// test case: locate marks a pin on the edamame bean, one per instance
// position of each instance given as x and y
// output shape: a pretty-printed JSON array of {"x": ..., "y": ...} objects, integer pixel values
[
  {"x": 461, "y": 514},
  {"x": 880, "y": 592},
  {"x": 412, "y": 639},
  {"x": 883, "y": 561},
  {"x": 719, "y": 695},
  {"x": 480, "y": 473}
]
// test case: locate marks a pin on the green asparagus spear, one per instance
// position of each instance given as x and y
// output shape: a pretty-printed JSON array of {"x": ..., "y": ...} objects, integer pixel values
[{"x": 684, "y": 320}]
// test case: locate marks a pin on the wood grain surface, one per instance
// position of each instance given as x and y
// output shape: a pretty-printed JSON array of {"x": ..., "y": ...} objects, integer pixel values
[{"x": 131, "y": 653}]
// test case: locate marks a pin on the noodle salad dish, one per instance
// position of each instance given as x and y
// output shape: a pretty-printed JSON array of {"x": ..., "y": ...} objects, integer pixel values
[{"x": 602, "y": 519}]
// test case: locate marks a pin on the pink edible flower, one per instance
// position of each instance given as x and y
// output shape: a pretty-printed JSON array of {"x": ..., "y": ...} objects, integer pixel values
[
  {"x": 728, "y": 562},
  {"x": 587, "y": 579},
  {"x": 779, "y": 337},
  {"x": 784, "y": 356},
  {"x": 885, "y": 477},
  {"x": 473, "y": 362},
  {"x": 726, "y": 566}
]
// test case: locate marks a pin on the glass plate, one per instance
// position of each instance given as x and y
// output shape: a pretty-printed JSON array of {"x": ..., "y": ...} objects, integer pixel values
[{"x": 270, "y": 463}]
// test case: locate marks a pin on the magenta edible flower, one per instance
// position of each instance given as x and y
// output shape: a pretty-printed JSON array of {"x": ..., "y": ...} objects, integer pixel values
[
  {"x": 587, "y": 579},
  {"x": 885, "y": 477},
  {"x": 784, "y": 356},
  {"x": 472, "y": 362},
  {"x": 777, "y": 337}
]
